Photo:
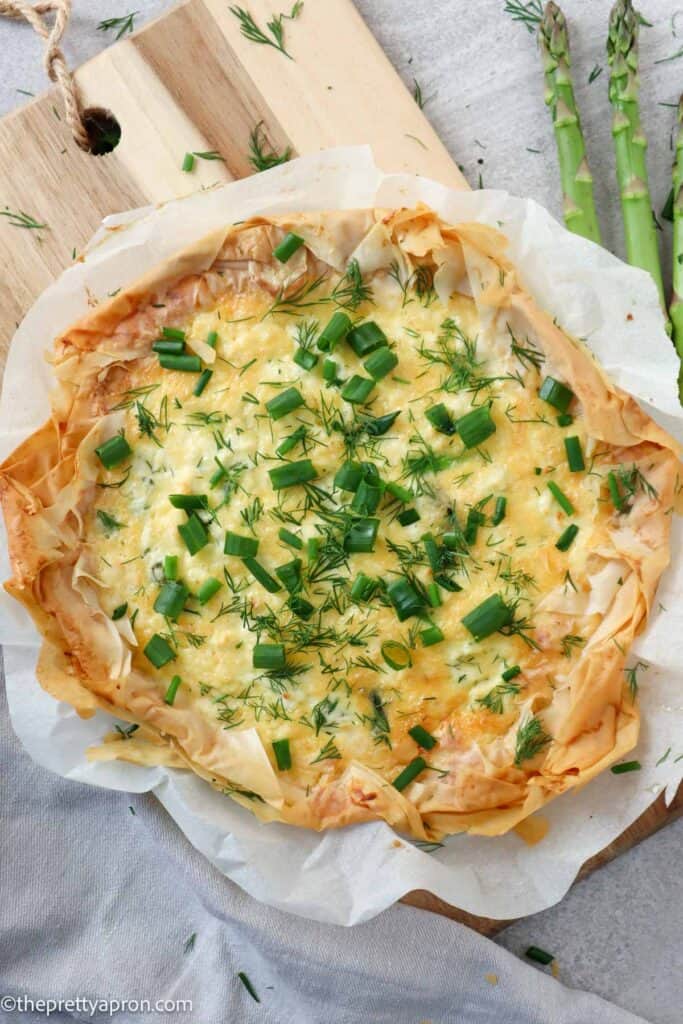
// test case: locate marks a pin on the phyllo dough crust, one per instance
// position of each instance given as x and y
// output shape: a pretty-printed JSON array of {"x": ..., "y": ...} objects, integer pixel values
[{"x": 331, "y": 513}]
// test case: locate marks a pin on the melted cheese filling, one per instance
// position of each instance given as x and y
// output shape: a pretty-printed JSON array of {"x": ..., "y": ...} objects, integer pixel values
[{"x": 339, "y": 699}]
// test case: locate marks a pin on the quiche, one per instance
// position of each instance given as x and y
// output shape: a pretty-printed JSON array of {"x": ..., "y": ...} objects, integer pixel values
[{"x": 329, "y": 512}]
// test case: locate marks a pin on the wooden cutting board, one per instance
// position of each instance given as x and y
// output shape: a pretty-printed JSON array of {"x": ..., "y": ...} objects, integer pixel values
[{"x": 191, "y": 82}]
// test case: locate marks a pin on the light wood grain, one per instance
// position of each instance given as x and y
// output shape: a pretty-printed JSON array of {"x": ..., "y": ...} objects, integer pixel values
[{"x": 191, "y": 82}]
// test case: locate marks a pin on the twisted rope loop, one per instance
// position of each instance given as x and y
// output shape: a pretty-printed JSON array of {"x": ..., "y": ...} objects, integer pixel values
[{"x": 54, "y": 61}]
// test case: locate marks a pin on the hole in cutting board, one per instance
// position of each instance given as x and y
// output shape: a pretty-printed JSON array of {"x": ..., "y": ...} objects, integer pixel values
[{"x": 104, "y": 131}]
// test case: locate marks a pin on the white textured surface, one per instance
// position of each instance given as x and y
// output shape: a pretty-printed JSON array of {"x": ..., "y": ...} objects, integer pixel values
[{"x": 618, "y": 933}]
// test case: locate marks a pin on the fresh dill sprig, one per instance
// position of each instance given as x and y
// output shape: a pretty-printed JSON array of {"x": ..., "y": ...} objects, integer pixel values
[
  {"x": 21, "y": 219},
  {"x": 350, "y": 291},
  {"x": 275, "y": 35},
  {"x": 569, "y": 643},
  {"x": 252, "y": 513},
  {"x": 260, "y": 158},
  {"x": 631, "y": 674},
  {"x": 122, "y": 25},
  {"x": 109, "y": 522},
  {"x": 528, "y": 355},
  {"x": 531, "y": 739},
  {"x": 330, "y": 752},
  {"x": 528, "y": 14},
  {"x": 377, "y": 720},
  {"x": 493, "y": 700}
]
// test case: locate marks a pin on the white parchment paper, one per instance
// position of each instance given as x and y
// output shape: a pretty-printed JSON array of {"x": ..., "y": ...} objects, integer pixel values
[{"x": 350, "y": 875}]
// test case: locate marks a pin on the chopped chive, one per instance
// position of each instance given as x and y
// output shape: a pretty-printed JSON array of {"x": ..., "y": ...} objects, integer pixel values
[
  {"x": 499, "y": 510},
  {"x": 185, "y": 364},
  {"x": 248, "y": 985},
  {"x": 187, "y": 502},
  {"x": 445, "y": 581},
  {"x": 290, "y": 538},
  {"x": 212, "y": 338},
  {"x": 615, "y": 494},
  {"x": 432, "y": 551},
  {"x": 566, "y": 539},
  {"x": 367, "y": 498},
  {"x": 312, "y": 548},
  {"x": 336, "y": 328},
  {"x": 561, "y": 498},
  {"x": 475, "y": 426},
  {"x": 475, "y": 519},
  {"x": 357, "y": 389},
  {"x": 380, "y": 363},
  {"x": 287, "y": 401},
  {"x": 283, "y": 755},
  {"x": 556, "y": 394},
  {"x": 365, "y": 338},
  {"x": 261, "y": 575},
  {"x": 396, "y": 655},
  {"x": 330, "y": 370},
  {"x": 405, "y": 599},
  {"x": 361, "y": 535},
  {"x": 208, "y": 589},
  {"x": 194, "y": 534},
  {"x": 287, "y": 247},
  {"x": 119, "y": 611},
  {"x": 188, "y": 163},
  {"x": 430, "y": 636},
  {"x": 400, "y": 492},
  {"x": 159, "y": 651},
  {"x": 539, "y": 955},
  {"x": 434, "y": 595},
  {"x": 291, "y": 441},
  {"x": 362, "y": 587},
  {"x": 237, "y": 544},
  {"x": 171, "y": 567},
  {"x": 270, "y": 657},
  {"x": 172, "y": 690},
  {"x": 422, "y": 737},
  {"x": 511, "y": 673},
  {"x": 168, "y": 347},
  {"x": 203, "y": 379},
  {"x": 488, "y": 617},
  {"x": 290, "y": 575},
  {"x": 440, "y": 418},
  {"x": 171, "y": 599},
  {"x": 304, "y": 358},
  {"x": 300, "y": 606},
  {"x": 348, "y": 477},
  {"x": 625, "y": 766},
  {"x": 574, "y": 454},
  {"x": 408, "y": 517},
  {"x": 292, "y": 473},
  {"x": 409, "y": 773},
  {"x": 565, "y": 419},
  {"x": 113, "y": 451},
  {"x": 218, "y": 474},
  {"x": 174, "y": 333},
  {"x": 377, "y": 426}
]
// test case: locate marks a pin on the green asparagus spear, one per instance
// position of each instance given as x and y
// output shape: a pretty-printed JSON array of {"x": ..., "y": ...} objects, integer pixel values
[
  {"x": 676, "y": 308},
  {"x": 577, "y": 183},
  {"x": 630, "y": 144}
]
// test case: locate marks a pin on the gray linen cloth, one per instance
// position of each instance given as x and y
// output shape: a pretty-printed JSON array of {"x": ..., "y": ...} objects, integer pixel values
[{"x": 102, "y": 897}]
